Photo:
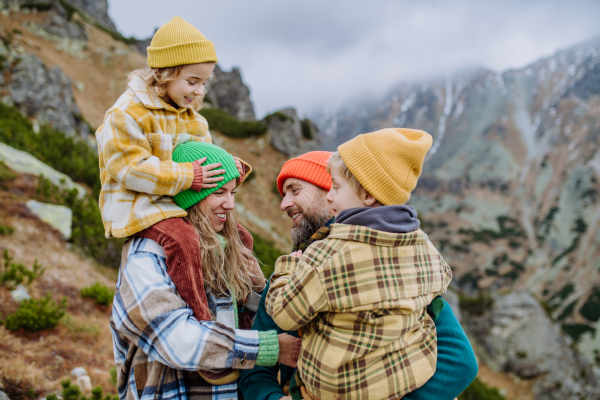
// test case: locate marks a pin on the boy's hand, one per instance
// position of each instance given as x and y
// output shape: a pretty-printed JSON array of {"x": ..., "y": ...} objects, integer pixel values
[
  {"x": 297, "y": 253},
  {"x": 289, "y": 349}
]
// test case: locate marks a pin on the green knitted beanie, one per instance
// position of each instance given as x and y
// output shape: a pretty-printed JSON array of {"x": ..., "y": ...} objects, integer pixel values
[{"x": 192, "y": 151}]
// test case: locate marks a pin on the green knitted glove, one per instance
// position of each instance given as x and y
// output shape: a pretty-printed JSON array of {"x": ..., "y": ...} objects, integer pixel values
[
  {"x": 268, "y": 348},
  {"x": 435, "y": 308}
]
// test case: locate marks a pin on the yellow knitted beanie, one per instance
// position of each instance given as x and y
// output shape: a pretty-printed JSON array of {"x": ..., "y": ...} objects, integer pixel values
[
  {"x": 387, "y": 163},
  {"x": 178, "y": 43}
]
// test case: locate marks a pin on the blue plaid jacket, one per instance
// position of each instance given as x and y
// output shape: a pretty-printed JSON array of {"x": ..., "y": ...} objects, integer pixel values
[{"x": 159, "y": 346}]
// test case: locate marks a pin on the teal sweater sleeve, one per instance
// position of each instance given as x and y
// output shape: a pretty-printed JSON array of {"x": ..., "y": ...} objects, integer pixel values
[
  {"x": 456, "y": 365},
  {"x": 261, "y": 383}
]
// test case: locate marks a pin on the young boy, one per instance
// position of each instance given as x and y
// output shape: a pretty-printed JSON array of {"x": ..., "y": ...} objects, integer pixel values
[
  {"x": 157, "y": 112},
  {"x": 361, "y": 294}
]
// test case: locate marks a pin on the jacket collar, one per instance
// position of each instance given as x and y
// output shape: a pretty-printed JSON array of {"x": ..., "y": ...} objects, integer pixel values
[
  {"x": 357, "y": 233},
  {"x": 149, "y": 99}
]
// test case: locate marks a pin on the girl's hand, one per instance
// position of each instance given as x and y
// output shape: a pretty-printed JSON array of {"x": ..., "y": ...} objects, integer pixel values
[
  {"x": 208, "y": 171},
  {"x": 289, "y": 349},
  {"x": 256, "y": 275},
  {"x": 297, "y": 253}
]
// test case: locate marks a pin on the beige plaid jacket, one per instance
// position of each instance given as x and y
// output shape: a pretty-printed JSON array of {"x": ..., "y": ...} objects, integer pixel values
[
  {"x": 135, "y": 144},
  {"x": 361, "y": 295}
]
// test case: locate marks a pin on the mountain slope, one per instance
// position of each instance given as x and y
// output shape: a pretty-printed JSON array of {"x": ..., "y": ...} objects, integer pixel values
[{"x": 510, "y": 188}]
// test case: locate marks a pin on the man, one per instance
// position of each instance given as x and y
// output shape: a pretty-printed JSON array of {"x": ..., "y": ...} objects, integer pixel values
[{"x": 303, "y": 183}]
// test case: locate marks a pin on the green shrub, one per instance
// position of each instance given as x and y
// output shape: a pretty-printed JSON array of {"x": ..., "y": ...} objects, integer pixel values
[
  {"x": 476, "y": 305},
  {"x": 14, "y": 274},
  {"x": 591, "y": 308},
  {"x": 283, "y": 117},
  {"x": 6, "y": 174},
  {"x": 72, "y": 392},
  {"x": 36, "y": 315},
  {"x": 101, "y": 294},
  {"x": 478, "y": 390},
  {"x": 577, "y": 330},
  {"x": 230, "y": 126},
  {"x": 116, "y": 35},
  {"x": 68, "y": 155},
  {"x": 307, "y": 131},
  {"x": 88, "y": 230},
  {"x": 41, "y": 6},
  {"x": 266, "y": 253},
  {"x": 6, "y": 230}
]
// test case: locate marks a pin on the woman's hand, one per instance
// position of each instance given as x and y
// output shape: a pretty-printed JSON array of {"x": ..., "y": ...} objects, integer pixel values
[
  {"x": 289, "y": 349},
  {"x": 297, "y": 253},
  {"x": 256, "y": 275}
]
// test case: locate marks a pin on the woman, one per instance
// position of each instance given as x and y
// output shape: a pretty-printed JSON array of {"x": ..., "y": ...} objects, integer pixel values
[{"x": 161, "y": 350}]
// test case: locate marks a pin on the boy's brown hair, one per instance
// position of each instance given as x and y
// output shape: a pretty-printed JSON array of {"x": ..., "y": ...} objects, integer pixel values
[{"x": 336, "y": 161}]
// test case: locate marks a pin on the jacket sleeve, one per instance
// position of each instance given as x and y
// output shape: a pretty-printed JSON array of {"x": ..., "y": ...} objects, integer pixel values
[
  {"x": 296, "y": 295},
  {"x": 456, "y": 365},
  {"x": 149, "y": 313},
  {"x": 261, "y": 383},
  {"x": 129, "y": 158}
]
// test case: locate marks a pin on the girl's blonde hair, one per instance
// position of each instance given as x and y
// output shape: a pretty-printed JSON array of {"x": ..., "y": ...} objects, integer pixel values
[
  {"x": 220, "y": 267},
  {"x": 156, "y": 79}
]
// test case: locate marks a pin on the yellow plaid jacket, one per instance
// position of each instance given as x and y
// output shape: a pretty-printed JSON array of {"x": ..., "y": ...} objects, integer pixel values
[
  {"x": 361, "y": 296},
  {"x": 138, "y": 176}
]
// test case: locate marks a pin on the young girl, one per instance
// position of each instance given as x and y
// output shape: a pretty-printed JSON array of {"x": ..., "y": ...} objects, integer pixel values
[
  {"x": 160, "y": 351},
  {"x": 140, "y": 131}
]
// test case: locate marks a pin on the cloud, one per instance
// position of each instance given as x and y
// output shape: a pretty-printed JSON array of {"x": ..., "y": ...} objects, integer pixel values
[{"x": 313, "y": 53}]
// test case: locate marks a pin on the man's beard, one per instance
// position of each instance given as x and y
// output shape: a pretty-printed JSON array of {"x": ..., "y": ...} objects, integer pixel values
[{"x": 310, "y": 222}]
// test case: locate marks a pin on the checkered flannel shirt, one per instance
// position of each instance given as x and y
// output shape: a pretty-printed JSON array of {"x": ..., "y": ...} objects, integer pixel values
[
  {"x": 361, "y": 295},
  {"x": 135, "y": 145},
  {"x": 158, "y": 345}
]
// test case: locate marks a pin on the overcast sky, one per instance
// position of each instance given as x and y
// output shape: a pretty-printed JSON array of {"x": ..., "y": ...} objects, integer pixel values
[{"x": 320, "y": 53}]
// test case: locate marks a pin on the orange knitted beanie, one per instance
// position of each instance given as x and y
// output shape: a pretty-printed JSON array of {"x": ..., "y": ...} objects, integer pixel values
[{"x": 310, "y": 167}]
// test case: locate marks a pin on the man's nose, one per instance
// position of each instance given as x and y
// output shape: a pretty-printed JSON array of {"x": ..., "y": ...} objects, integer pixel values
[
  {"x": 329, "y": 197},
  {"x": 286, "y": 203}
]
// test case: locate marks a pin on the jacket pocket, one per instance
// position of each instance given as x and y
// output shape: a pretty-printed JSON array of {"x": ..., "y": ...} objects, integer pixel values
[{"x": 162, "y": 145}]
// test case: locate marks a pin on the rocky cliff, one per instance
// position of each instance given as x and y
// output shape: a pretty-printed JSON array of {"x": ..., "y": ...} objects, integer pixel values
[{"x": 510, "y": 188}]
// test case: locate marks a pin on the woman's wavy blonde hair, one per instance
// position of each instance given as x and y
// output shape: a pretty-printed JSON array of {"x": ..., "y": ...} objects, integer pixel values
[
  {"x": 220, "y": 267},
  {"x": 156, "y": 79}
]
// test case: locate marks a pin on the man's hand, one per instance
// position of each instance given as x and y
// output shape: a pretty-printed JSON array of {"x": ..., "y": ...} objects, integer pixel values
[
  {"x": 289, "y": 349},
  {"x": 256, "y": 275}
]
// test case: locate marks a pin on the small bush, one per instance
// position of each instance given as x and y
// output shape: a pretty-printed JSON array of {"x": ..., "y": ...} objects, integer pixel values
[
  {"x": 281, "y": 116},
  {"x": 480, "y": 391},
  {"x": 266, "y": 253},
  {"x": 476, "y": 305},
  {"x": 6, "y": 230},
  {"x": 36, "y": 315},
  {"x": 72, "y": 392},
  {"x": 6, "y": 174},
  {"x": 14, "y": 274},
  {"x": 101, "y": 294},
  {"x": 307, "y": 131},
  {"x": 591, "y": 308},
  {"x": 63, "y": 153},
  {"x": 88, "y": 230},
  {"x": 230, "y": 126},
  {"x": 576, "y": 331}
]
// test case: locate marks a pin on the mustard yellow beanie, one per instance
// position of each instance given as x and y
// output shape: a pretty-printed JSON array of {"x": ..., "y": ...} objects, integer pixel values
[
  {"x": 387, "y": 163},
  {"x": 179, "y": 43}
]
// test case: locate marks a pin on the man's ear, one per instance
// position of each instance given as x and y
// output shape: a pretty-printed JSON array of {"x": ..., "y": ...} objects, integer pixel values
[{"x": 368, "y": 199}]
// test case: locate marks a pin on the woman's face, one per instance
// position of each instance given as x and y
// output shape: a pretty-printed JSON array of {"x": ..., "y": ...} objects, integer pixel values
[{"x": 219, "y": 204}]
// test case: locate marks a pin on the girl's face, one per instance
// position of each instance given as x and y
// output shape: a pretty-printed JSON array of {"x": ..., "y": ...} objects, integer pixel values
[
  {"x": 219, "y": 204},
  {"x": 189, "y": 84}
]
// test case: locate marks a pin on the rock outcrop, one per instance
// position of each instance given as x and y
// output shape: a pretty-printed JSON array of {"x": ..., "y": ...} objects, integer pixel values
[
  {"x": 516, "y": 335},
  {"x": 58, "y": 217},
  {"x": 94, "y": 10},
  {"x": 42, "y": 93},
  {"x": 290, "y": 135},
  {"x": 25, "y": 163},
  {"x": 229, "y": 93}
]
